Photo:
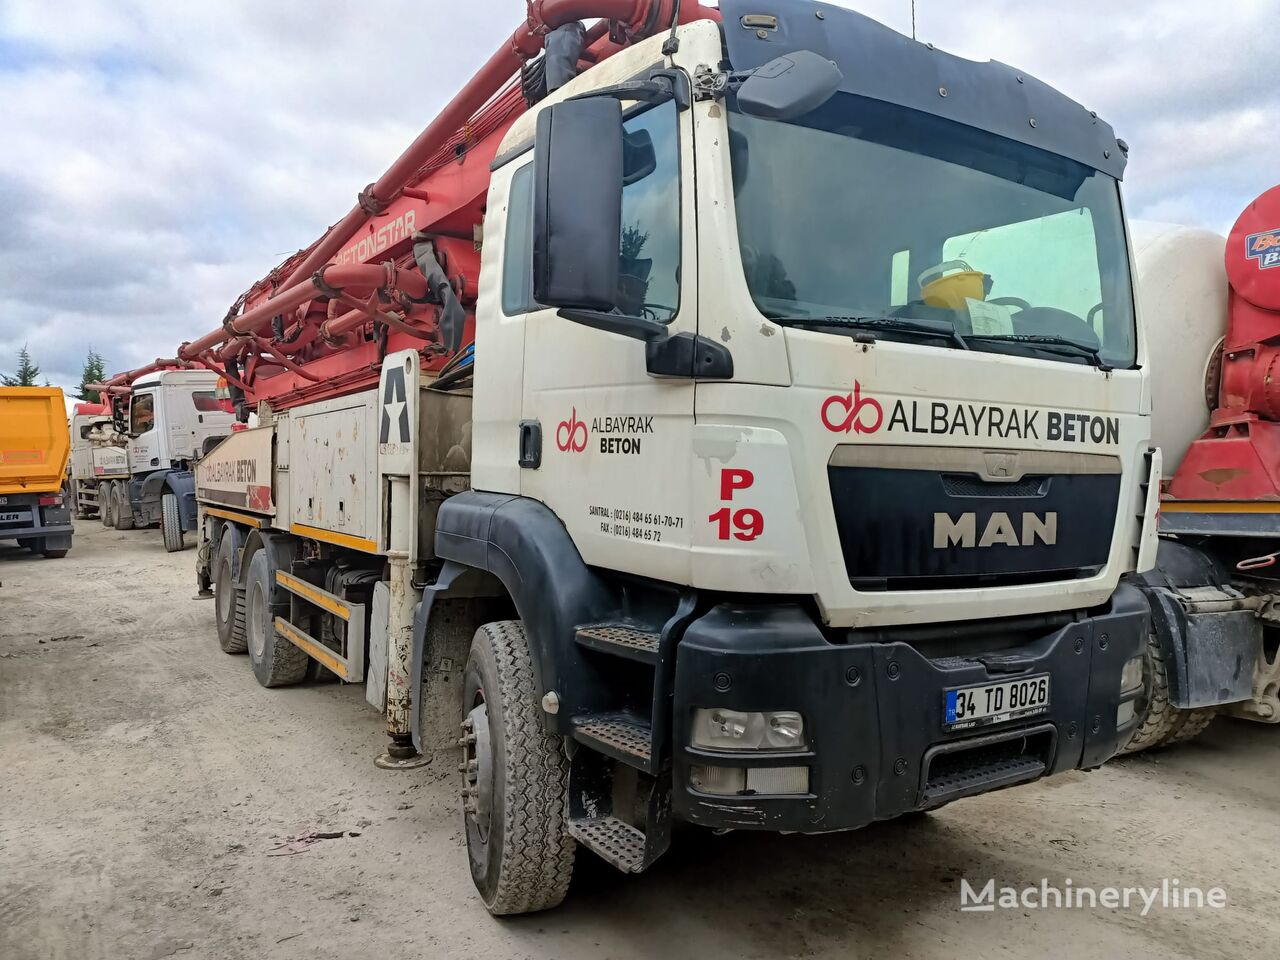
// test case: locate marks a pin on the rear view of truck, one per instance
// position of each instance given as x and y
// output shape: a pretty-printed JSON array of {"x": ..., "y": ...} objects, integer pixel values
[{"x": 34, "y": 447}]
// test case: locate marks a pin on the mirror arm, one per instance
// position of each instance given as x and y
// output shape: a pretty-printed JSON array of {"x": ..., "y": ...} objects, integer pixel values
[
  {"x": 661, "y": 86},
  {"x": 637, "y": 328}
]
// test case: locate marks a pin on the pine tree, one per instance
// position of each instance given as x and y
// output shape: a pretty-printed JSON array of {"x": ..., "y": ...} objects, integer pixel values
[
  {"x": 27, "y": 374},
  {"x": 94, "y": 371}
]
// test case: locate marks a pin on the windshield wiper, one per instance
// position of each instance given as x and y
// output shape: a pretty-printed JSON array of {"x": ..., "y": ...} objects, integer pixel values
[
  {"x": 925, "y": 328},
  {"x": 1047, "y": 340}
]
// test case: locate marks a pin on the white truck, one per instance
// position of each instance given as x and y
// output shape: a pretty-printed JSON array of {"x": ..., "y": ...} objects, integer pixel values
[
  {"x": 806, "y": 442},
  {"x": 99, "y": 456},
  {"x": 171, "y": 418}
]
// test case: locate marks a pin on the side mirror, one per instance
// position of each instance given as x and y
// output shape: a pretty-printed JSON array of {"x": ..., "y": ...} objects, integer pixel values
[
  {"x": 577, "y": 203},
  {"x": 789, "y": 86}
]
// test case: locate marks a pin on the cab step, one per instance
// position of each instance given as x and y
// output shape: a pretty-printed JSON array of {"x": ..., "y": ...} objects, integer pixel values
[
  {"x": 621, "y": 640},
  {"x": 610, "y": 839},
  {"x": 621, "y": 736}
]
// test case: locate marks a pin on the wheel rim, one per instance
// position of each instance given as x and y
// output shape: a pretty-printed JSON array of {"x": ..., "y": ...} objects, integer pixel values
[
  {"x": 477, "y": 775},
  {"x": 222, "y": 590},
  {"x": 257, "y": 623}
]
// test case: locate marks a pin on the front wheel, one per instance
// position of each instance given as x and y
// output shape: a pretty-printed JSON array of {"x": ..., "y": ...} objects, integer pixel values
[
  {"x": 515, "y": 790},
  {"x": 106, "y": 505},
  {"x": 170, "y": 522},
  {"x": 121, "y": 509}
]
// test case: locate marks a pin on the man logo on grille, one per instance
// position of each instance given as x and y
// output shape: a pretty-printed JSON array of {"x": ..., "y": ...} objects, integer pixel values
[{"x": 395, "y": 407}]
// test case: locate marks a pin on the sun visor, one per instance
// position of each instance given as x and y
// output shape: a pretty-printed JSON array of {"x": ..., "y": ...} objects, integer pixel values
[{"x": 881, "y": 64}]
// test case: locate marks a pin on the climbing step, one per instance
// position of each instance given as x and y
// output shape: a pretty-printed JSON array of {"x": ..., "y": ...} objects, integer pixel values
[
  {"x": 620, "y": 640},
  {"x": 618, "y": 735},
  {"x": 619, "y": 843}
]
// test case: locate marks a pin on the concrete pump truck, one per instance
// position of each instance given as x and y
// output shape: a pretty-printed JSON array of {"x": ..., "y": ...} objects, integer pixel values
[
  {"x": 171, "y": 414},
  {"x": 735, "y": 416}
]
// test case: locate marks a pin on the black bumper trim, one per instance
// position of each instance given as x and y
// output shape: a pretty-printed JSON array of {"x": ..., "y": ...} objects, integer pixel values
[{"x": 873, "y": 713}]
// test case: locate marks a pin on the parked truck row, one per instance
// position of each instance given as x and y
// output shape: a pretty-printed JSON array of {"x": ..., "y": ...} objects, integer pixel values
[{"x": 807, "y": 469}]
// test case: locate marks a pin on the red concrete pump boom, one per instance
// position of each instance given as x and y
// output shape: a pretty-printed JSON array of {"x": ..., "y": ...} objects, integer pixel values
[{"x": 319, "y": 324}]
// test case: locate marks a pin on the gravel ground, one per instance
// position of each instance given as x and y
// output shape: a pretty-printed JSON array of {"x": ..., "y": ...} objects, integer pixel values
[{"x": 146, "y": 780}]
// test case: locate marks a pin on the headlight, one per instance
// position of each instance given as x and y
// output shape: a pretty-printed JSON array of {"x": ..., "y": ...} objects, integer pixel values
[
  {"x": 718, "y": 729},
  {"x": 1131, "y": 675}
]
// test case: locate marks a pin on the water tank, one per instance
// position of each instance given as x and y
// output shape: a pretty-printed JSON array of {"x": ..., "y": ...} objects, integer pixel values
[{"x": 1181, "y": 285}]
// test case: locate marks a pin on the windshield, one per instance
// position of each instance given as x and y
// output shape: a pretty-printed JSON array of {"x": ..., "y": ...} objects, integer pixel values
[{"x": 863, "y": 209}]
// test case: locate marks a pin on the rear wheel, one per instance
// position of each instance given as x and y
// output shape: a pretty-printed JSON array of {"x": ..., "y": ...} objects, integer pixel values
[
  {"x": 515, "y": 790},
  {"x": 276, "y": 661},
  {"x": 170, "y": 522},
  {"x": 228, "y": 602},
  {"x": 121, "y": 509}
]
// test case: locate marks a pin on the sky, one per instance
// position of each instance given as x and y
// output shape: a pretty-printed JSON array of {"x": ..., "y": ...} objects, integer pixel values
[{"x": 159, "y": 157}]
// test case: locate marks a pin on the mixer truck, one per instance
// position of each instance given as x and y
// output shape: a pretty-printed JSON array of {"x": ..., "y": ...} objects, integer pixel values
[
  {"x": 734, "y": 416},
  {"x": 1213, "y": 308},
  {"x": 34, "y": 448},
  {"x": 99, "y": 457}
]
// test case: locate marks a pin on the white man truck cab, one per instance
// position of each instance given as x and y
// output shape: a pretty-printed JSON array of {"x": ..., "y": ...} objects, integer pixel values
[
  {"x": 172, "y": 418},
  {"x": 808, "y": 443}
]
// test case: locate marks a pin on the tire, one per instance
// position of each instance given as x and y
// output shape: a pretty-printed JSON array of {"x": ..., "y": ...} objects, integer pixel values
[
  {"x": 276, "y": 662},
  {"x": 121, "y": 510},
  {"x": 106, "y": 506},
  {"x": 1158, "y": 716},
  {"x": 170, "y": 522},
  {"x": 1190, "y": 724},
  {"x": 518, "y": 843},
  {"x": 228, "y": 602}
]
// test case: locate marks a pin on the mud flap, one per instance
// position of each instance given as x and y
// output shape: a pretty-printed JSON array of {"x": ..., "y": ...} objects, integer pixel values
[{"x": 1210, "y": 656}]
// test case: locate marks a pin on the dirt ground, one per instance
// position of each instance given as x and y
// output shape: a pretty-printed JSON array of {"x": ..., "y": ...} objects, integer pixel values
[{"x": 145, "y": 780}]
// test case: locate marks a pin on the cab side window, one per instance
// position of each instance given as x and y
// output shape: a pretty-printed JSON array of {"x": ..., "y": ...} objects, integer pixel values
[
  {"x": 649, "y": 242},
  {"x": 142, "y": 413}
]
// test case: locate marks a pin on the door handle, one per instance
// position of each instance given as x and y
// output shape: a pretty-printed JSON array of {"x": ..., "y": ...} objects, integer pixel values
[{"x": 530, "y": 456}]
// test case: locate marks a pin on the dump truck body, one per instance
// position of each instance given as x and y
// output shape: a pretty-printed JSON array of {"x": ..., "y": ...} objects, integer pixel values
[{"x": 34, "y": 450}]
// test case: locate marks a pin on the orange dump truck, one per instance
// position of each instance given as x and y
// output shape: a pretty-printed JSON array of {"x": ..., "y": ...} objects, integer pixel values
[{"x": 34, "y": 447}]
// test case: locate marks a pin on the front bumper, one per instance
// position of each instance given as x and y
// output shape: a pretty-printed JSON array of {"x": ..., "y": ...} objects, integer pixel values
[
  {"x": 873, "y": 713},
  {"x": 50, "y": 523}
]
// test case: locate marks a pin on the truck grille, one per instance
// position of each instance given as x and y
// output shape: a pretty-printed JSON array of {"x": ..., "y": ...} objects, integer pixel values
[{"x": 909, "y": 520}]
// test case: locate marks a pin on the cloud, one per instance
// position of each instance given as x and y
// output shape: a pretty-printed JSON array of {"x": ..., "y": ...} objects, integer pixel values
[{"x": 159, "y": 157}]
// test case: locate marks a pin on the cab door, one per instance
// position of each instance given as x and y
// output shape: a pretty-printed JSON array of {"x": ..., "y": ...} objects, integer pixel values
[
  {"x": 144, "y": 431},
  {"x": 615, "y": 440}
]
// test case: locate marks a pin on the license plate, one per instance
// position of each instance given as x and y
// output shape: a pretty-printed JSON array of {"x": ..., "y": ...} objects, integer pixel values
[
  {"x": 989, "y": 703},
  {"x": 12, "y": 517}
]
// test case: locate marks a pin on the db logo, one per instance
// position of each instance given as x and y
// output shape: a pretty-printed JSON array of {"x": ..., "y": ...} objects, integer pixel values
[
  {"x": 571, "y": 434},
  {"x": 851, "y": 411}
]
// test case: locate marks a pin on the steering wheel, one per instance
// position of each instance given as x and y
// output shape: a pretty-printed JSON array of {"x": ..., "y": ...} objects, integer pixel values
[
  {"x": 1052, "y": 322},
  {"x": 1011, "y": 302}
]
